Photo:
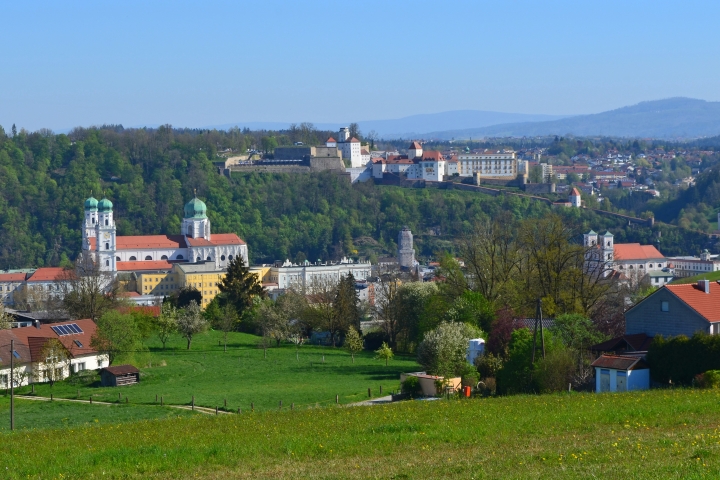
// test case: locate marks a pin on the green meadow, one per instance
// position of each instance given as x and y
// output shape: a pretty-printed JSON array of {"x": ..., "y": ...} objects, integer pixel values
[
  {"x": 243, "y": 376},
  {"x": 653, "y": 434},
  {"x": 37, "y": 414}
]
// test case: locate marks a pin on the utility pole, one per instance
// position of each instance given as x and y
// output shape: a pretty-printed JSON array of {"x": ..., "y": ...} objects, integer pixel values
[
  {"x": 538, "y": 325},
  {"x": 12, "y": 384}
]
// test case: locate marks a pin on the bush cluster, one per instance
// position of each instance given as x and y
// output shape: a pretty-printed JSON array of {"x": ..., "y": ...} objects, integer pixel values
[{"x": 680, "y": 359}]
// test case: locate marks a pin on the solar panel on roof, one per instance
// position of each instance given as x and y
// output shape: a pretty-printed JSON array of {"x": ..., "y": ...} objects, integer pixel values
[
  {"x": 69, "y": 329},
  {"x": 16, "y": 354}
]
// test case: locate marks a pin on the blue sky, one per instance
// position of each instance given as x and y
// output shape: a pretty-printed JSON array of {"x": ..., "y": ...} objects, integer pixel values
[{"x": 71, "y": 63}]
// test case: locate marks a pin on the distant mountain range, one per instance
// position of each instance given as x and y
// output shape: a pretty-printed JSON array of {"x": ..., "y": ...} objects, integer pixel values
[
  {"x": 681, "y": 118},
  {"x": 670, "y": 118}
]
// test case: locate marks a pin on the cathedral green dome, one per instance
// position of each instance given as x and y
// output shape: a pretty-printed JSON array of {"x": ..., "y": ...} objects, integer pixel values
[
  {"x": 195, "y": 208},
  {"x": 104, "y": 205},
  {"x": 91, "y": 204}
]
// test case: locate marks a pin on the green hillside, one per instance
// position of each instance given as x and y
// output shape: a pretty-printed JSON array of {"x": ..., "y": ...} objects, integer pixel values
[
  {"x": 652, "y": 434},
  {"x": 150, "y": 174},
  {"x": 713, "y": 276}
]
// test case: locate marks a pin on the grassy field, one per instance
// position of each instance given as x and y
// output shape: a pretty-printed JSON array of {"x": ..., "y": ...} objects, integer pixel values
[
  {"x": 40, "y": 414},
  {"x": 712, "y": 276},
  {"x": 243, "y": 376},
  {"x": 655, "y": 434}
]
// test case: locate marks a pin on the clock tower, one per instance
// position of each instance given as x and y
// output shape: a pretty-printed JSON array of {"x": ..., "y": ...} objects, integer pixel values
[{"x": 105, "y": 234}]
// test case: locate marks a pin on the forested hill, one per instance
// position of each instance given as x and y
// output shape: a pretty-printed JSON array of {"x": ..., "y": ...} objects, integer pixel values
[{"x": 150, "y": 174}]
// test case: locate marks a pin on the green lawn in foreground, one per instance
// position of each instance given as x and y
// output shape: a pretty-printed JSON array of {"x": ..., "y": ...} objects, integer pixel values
[
  {"x": 243, "y": 376},
  {"x": 655, "y": 434},
  {"x": 39, "y": 414}
]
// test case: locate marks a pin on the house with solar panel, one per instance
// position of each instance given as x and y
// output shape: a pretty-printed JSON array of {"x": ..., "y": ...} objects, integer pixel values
[{"x": 30, "y": 343}]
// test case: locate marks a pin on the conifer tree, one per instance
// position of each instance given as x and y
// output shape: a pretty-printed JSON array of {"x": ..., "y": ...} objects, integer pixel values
[{"x": 240, "y": 286}]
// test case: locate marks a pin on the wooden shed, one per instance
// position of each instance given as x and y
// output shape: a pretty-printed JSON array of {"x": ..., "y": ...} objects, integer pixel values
[{"x": 119, "y": 375}]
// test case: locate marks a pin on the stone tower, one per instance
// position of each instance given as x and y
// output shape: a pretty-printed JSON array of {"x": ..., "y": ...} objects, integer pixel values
[{"x": 406, "y": 253}]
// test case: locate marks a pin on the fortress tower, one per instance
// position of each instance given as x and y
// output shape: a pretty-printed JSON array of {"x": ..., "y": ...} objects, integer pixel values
[{"x": 406, "y": 253}]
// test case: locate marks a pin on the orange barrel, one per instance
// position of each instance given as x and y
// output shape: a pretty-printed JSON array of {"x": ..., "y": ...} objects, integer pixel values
[{"x": 467, "y": 391}]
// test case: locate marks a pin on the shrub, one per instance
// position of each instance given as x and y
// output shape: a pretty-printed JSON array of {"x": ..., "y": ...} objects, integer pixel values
[
  {"x": 680, "y": 359},
  {"x": 442, "y": 351},
  {"x": 488, "y": 365},
  {"x": 373, "y": 340},
  {"x": 411, "y": 385},
  {"x": 488, "y": 386},
  {"x": 470, "y": 376},
  {"x": 709, "y": 379}
]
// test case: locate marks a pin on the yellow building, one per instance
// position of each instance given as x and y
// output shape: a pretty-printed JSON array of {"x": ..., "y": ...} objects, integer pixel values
[{"x": 203, "y": 276}]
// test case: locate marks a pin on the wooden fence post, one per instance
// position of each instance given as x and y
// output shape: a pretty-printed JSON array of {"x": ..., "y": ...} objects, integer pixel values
[
  {"x": 226, "y": 403},
  {"x": 337, "y": 399},
  {"x": 90, "y": 399},
  {"x": 51, "y": 397},
  {"x": 161, "y": 401},
  {"x": 239, "y": 411},
  {"x": 126, "y": 400},
  {"x": 216, "y": 410},
  {"x": 292, "y": 406},
  {"x": 280, "y": 406},
  {"x": 380, "y": 390},
  {"x": 156, "y": 398},
  {"x": 252, "y": 407},
  {"x": 192, "y": 403},
  {"x": 369, "y": 393}
]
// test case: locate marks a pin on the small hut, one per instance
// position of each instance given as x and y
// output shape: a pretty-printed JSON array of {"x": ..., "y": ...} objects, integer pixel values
[{"x": 119, "y": 375}]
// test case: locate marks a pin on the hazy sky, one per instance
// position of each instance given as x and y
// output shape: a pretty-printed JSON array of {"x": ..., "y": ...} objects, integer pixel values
[{"x": 200, "y": 63}]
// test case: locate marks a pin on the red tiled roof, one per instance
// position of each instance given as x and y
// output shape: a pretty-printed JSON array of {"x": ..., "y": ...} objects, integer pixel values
[
  {"x": 619, "y": 362},
  {"x": 415, "y": 146},
  {"x": 331, "y": 140},
  {"x": 143, "y": 265},
  {"x": 354, "y": 140},
  {"x": 432, "y": 155},
  {"x": 575, "y": 192},
  {"x": 24, "y": 334},
  {"x": 149, "y": 241},
  {"x": 638, "y": 342},
  {"x": 46, "y": 274},
  {"x": 635, "y": 251},
  {"x": 152, "y": 310},
  {"x": 12, "y": 277},
  {"x": 364, "y": 152},
  {"x": 705, "y": 304},
  {"x": 226, "y": 239}
]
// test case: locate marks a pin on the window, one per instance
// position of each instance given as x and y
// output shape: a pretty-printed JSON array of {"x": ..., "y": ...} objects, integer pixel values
[
  {"x": 189, "y": 231},
  {"x": 16, "y": 354},
  {"x": 4, "y": 379},
  {"x": 80, "y": 345},
  {"x": 222, "y": 258},
  {"x": 107, "y": 263},
  {"x": 164, "y": 257},
  {"x": 78, "y": 367},
  {"x": 107, "y": 222},
  {"x": 179, "y": 257},
  {"x": 132, "y": 258},
  {"x": 107, "y": 246},
  {"x": 230, "y": 257},
  {"x": 665, "y": 307},
  {"x": 148, "y": 257},
  {"x": 209, "y": 259}
]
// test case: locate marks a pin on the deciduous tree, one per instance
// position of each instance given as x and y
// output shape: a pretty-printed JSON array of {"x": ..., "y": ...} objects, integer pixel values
[{"x": 190, "y": 322}]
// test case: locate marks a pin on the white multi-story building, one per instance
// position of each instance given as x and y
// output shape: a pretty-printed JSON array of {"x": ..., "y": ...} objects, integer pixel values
[
  {"x": 689, "y": 266},
  {"x": 350, "y": 148},
  {"x": 194, "y": 244},
  {"x": 9, "y": 284},
  {"x": 303, "y": 276},
  {"x": 488, "y": 163}
]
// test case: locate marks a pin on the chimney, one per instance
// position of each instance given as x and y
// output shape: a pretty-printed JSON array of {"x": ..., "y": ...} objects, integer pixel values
[
  {"x": 704, "y": 285},
  {"x": 36, "y": 323}
]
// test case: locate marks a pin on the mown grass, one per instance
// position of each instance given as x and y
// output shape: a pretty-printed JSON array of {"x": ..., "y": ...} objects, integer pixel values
[
  {"x": 35, "y": 414},
  {"x": 712, "y": 276},
  {"x": 656, "y": 434},
  {"x": 243, "y": 376}
]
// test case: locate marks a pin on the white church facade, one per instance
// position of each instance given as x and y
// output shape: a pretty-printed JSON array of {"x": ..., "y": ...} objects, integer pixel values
[{"x": 195, "y": 242}]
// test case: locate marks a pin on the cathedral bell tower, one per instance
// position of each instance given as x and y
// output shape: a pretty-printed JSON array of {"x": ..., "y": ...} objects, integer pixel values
[
  {"x": 196, "y": 224},
  {"x": 90, "y": 221},
  {"x": 105, "y": 235}
]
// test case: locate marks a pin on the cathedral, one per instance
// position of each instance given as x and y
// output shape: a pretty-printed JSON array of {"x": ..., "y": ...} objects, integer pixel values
[{"x": 195, "y": 243}]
